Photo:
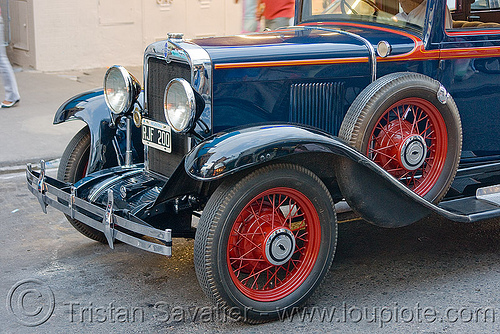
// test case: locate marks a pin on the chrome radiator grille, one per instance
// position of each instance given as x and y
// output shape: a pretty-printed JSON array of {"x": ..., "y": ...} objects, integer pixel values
[
  {"x": 318, "y": 104},
  {"x": 159, "y": 74}
]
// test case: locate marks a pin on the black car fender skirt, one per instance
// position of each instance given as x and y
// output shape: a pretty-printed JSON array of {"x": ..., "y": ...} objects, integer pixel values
[{"x": 370, "y": 191}]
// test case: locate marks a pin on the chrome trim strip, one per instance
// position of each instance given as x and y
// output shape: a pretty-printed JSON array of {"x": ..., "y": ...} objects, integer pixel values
[
  {"x": 155, "y": 50},
  {"x": 97, "y": 192},
  {"x": 371, "y": 50}
]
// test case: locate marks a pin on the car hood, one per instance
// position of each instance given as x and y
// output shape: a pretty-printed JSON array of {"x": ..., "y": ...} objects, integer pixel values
[{"x": 305, "y": 42}]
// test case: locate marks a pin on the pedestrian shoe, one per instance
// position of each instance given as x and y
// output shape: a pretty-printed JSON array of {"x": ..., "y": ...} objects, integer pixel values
[{"x": 9, "y": 104}]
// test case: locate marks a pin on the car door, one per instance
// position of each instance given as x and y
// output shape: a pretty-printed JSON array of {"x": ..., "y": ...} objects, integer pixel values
[{"x": 470, "y": 70}]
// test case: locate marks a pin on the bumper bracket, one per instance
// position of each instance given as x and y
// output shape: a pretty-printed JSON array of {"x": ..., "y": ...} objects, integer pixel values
[
  {"x": 109, "y": 225},
  {"x": 42, "y": 187}
]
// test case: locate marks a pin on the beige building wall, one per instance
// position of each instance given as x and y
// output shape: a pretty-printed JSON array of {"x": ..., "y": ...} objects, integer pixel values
[{"x": 56, "y": 35}]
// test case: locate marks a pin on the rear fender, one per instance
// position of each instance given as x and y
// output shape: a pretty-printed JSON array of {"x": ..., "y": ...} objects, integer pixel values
[
  {"x": 91, "y": 108},
  {"x": 372, "y": 192}
]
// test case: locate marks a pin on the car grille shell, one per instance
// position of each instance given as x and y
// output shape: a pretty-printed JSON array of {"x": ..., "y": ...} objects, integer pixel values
[{"x": 159, "y": 75}]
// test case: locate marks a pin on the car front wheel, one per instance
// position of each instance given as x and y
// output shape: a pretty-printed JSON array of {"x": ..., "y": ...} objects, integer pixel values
[
  {"x": 72, "y": 168},
  {"x": 265, "y": 242}
]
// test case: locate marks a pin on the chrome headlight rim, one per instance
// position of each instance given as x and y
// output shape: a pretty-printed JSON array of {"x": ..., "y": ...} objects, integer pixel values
[
  {"x": 191, "y": 101},
  {"x": 132, "y": 88}
]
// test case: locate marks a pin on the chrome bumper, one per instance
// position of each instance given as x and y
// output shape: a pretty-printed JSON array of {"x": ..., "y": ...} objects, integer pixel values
[{"x": 115, "y": 227}]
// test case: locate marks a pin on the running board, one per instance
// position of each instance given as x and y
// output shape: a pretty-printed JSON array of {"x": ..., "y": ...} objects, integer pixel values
[{"x": 485, "y": 205}]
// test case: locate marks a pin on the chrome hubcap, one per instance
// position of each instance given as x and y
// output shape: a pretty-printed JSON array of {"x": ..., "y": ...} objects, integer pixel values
[
  {"x": 279, "y": 246},
  {"x": 413, "y": 152}
]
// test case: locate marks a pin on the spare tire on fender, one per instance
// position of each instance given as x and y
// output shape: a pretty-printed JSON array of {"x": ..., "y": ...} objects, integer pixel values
[{"x": 409, "y": 125}]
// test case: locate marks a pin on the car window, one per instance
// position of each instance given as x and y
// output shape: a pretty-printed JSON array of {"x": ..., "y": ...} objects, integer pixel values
[
  {"x": 482, "y": 14},
  {"x": 380, "y": 11},
  {"x": 485, "y": 4}
]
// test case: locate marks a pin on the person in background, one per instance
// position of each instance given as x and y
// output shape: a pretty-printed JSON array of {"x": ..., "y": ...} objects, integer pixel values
[
  {"x": 9, "y": 80},
  {"x": 414, "y": 12},
  {"x": 277, "y": 13},
  {"x": 250, "y": 23}
]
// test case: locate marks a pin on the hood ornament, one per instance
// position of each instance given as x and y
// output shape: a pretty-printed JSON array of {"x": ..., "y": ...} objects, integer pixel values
[
  {"x": 175, "y": 36},
  {"x": 171, "y": 50}
]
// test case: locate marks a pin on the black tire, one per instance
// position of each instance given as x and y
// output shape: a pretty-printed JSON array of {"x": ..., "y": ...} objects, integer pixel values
[
  {"x": 399, "y": 122},
  {"x": 305, "y": 215},
  {"x": 72, "y": 168}
]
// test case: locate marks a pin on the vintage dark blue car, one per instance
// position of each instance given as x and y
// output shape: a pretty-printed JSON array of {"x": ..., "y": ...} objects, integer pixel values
[{"x": 260, "y": 135}]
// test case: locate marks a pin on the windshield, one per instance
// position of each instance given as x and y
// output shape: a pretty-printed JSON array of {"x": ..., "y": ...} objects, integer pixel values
[{"x": 381, "y": 11}]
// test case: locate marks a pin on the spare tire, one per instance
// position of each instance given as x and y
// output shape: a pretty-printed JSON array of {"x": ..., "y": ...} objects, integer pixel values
[{"x": 409, "y": 125}]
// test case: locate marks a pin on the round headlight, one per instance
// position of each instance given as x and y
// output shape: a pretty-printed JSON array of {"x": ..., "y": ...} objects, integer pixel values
[
  {"x": 120, "y": 89},
  {"x": 179, "y": 105}
]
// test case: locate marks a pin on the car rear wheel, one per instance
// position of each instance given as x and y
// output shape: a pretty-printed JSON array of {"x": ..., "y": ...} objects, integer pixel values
[
  {"x": 72, "y": 168},
  {"x": 408, "y": 124},
  {"x": 264, "y": 243}
]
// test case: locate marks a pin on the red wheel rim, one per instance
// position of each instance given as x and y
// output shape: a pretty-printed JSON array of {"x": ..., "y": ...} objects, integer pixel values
[
  {"x": 283, "y": 209},
  {"x": 410, "y": 119}
]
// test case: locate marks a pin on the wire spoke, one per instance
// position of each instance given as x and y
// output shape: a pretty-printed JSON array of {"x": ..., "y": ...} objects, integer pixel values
[{"x": 250, "y": 269}]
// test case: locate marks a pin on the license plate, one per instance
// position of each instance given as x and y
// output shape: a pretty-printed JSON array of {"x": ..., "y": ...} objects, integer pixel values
[{"x": 156, "y": 135}]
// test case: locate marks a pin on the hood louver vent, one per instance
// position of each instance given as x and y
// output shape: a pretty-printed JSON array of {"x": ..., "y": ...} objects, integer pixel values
[{"x": 318, "y": 104}]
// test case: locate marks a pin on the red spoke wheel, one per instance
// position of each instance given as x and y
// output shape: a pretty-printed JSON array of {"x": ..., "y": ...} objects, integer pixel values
[
  {"x": 409, "y": 140},
  {"x": 273, "y": 244},
  {"x": 264, "y": 243},
  {"x": 409, "y": 125}
]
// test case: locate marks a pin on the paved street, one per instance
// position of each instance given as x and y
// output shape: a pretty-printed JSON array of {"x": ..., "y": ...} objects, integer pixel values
[
  {"x": 435, "y": 276},
  {"x": 431, "y": 277}
]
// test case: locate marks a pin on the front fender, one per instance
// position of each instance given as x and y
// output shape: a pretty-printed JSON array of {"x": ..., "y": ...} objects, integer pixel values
[
  {"x": 91, "y": 108},
  {"x": 372, "y": 192},
  {"x": 230, "y": 152},
  {"x": 86, "y": 106}
]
